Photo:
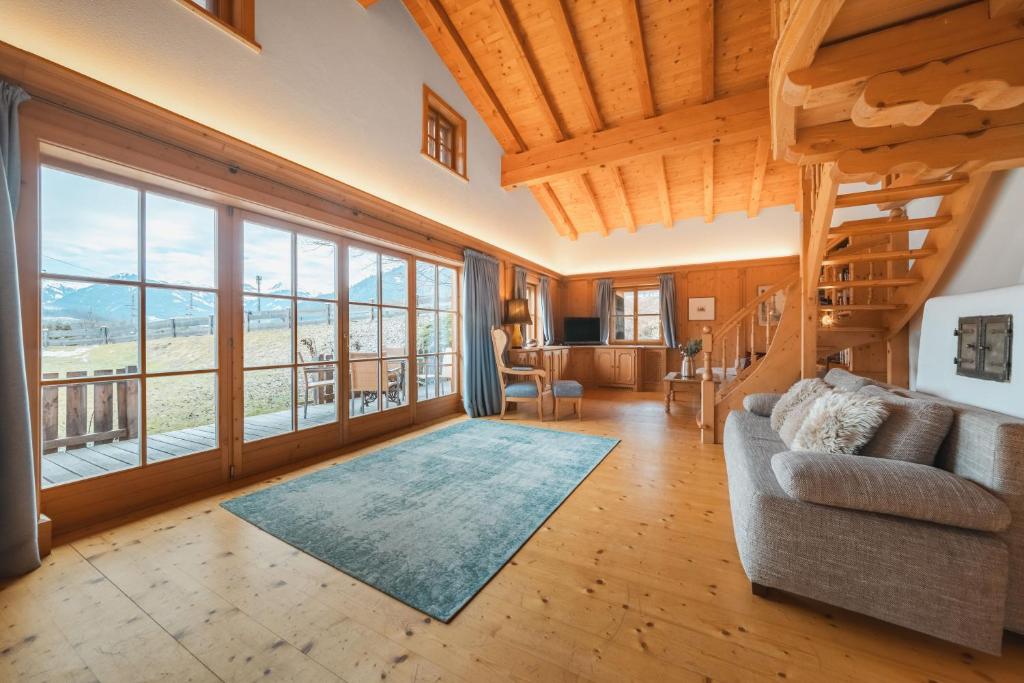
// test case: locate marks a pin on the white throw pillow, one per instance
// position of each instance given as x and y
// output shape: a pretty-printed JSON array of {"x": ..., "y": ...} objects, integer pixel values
[
  {"x": 840, "y": 423},
  {"x": 794, "y": 396}
]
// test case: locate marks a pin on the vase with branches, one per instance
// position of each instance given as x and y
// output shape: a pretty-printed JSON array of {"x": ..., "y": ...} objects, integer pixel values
[{"x": 689, "y": 351}]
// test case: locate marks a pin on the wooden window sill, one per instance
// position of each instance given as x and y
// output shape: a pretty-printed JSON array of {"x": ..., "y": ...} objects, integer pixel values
[{"x": 248, "y": 41}]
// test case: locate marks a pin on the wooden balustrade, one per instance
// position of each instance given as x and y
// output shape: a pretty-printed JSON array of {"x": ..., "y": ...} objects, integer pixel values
[{"x": 755, "y": 320}]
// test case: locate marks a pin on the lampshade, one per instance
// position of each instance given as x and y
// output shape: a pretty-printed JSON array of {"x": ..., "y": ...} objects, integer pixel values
[{"x": 518, "y": 313}]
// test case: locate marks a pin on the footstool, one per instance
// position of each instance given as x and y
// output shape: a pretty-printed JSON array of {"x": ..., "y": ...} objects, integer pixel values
[{"x": 568, "y": 390}]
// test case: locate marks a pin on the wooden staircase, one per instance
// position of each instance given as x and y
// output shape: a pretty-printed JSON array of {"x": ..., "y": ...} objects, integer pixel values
[{"x": 859, "y": 285}]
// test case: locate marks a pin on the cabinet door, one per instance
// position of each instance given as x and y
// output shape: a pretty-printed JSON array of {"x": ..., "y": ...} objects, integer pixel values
[
  {"x": 625, "y": 367},
  {"x": 604, "y": 366}
]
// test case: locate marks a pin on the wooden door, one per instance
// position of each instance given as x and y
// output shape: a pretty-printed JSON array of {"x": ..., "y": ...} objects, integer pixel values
[
  {"x": 625, "y": 367},
  {"x": 604, "y": 366}
]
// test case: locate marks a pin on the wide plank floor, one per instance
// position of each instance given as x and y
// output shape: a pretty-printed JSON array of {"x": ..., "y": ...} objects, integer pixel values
[{"x": 634, "y": 578}]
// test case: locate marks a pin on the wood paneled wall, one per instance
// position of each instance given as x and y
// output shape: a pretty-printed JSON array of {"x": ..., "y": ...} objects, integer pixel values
[{"x": 733, "y": 284}]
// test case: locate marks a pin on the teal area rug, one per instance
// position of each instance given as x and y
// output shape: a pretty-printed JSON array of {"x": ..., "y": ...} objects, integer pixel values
[{"x": 430, "y": 520}]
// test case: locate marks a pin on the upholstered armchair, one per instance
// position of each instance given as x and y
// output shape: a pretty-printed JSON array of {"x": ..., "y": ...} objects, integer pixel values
[{"x": 517, "y": 392}]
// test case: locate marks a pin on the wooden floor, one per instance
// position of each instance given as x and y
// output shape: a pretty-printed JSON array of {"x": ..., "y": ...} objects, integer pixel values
[{"x": 634, "y": 578}]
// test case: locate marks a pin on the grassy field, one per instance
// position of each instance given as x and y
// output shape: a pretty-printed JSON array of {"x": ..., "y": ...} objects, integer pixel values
[{"x": 189, "y": 400}]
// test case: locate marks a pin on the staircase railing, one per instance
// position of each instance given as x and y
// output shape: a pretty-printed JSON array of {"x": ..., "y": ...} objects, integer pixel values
[{"x": 738, "y": 345}]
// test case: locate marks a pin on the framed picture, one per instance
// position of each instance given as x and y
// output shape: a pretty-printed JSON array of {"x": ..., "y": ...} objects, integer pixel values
[
  {"x": 702, "y": 308},
  {"x": 771, "y": 307}
]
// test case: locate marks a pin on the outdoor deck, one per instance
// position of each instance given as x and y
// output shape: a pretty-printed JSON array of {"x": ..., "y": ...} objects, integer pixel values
[{"x": 95, "y": 459}]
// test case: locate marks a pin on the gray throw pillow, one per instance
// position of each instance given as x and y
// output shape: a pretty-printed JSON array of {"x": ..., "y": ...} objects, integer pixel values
[
  {"x": 760, "y": 404},
  {"x": 914, "y": 430},
  {"x": 795, "y": 395},
  {"x": 840, "y": 423}
]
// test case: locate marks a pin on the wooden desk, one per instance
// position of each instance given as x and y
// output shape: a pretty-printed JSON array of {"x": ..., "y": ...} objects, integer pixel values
[{"x": 674, "y": 382}]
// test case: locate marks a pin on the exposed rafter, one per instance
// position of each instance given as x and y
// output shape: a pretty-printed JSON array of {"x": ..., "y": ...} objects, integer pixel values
[
  {"x": 664, "y": 196},
  {"x": 635, "y": 37},
  {"x": 472, "y": 73},
  {"x": 708, "y": 165},
  {"x": 571, "y": 47},
  {"x": 761, "y": 153},
  {"x": 588, "y": 191}
]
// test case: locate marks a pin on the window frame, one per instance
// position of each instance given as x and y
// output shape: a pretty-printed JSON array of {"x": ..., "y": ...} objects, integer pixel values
[
  {"x": 295, "y": 230},
  {"x": 237, "y": 18},
  {"x": 533, "y": 306},
  {"x": 219, "y": 369},
  {"x": 381, "y": 358},
  {"x": 636, "y": 315},
  {"x": 436, "y": 110},
  {"x": 455, "y": 310}
]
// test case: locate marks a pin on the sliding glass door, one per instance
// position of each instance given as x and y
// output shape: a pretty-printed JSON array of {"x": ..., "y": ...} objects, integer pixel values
[
  {"x": 129, "y": 325},
  {"x": 289, "y": 328}
]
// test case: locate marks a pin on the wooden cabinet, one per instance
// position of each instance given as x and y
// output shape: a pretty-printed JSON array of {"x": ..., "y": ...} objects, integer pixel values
[
  {"x": 552, "y": 359},
  {"x": 654, "y": 366},
  {"x": 615, "y": 367}
]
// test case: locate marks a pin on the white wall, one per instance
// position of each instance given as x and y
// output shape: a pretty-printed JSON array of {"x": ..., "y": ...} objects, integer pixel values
[
  {"x": 338, "y": 89},
  {"x": 990, "y": 261},
  {"x": 732, "y": 237}
]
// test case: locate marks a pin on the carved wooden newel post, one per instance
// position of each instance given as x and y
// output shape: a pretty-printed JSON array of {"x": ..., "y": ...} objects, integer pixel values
[{"x": 707, "y": 390}]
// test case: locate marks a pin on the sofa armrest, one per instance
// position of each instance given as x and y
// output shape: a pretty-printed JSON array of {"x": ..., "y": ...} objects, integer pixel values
[
  {"x": 890, "y": 487},
  {"x": 760, "y": 404}
]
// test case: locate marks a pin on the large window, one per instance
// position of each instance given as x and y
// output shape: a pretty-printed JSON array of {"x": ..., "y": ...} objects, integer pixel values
[
  {"x": 378, "y": 330},
  {"x": 636, "y": 316},
  {"x": 436, "y": 331},
  {"x": 289, "y": 329},
  {"x": 128, "y": 294}
]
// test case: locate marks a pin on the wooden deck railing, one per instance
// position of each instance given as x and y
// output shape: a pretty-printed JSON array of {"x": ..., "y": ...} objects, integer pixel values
[{"x": 87, "y": 421}]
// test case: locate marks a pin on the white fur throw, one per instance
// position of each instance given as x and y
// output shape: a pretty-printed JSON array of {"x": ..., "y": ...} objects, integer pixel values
[
  {"x": 794, "y": 396},
  {"x": 840, "y": 423}
]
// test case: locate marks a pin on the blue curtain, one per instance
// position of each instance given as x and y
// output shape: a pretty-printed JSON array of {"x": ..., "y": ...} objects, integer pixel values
[
  {"x": 547, "y": 314},
  {"x": 481, "y": 390},
  {"x": 519, "y": 292},
  {"x": 19, "y": 531},
  {"x": 604, "y": 308},
  {"x": 668, "y": 309}
]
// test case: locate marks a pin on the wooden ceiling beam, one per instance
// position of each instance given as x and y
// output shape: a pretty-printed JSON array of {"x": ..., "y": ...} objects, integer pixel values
[
  {"x": 732, "y": 119},
  {"x": 620, "y": 192},
  {"x": 635, "y": 37},
  {"x": 555, "y": 210},
  {"x": 708, "y": 163},
  {"x": 761, "y": 154},
  {"x": 706, "y": 26},
  {"x": 366, "y": 3},
  {"x": 664, "y": 196},
  {"x": 588, "y": 192},
  {"x": 470, "y": 71},
  {"x": 571, "y": 47},
  {"x": 504, "y": 11}
]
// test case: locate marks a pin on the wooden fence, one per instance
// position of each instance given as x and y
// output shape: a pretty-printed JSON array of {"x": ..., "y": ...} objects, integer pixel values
[{"x": 101, "y": 424}]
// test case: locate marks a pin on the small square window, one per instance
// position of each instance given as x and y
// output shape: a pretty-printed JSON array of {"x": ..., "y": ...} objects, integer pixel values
[
  {"x": 236, "y": 17},
  {"x": 444, "y": 134}
]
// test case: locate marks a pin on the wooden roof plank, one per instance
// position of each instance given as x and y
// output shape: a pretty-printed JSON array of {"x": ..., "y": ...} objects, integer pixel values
[{"x": 757, "y": 182}]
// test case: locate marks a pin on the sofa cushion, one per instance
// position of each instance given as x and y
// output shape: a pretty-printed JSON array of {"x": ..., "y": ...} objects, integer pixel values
[
  {"x": 796, "y": 394},
  {"x": 890, "y": 487},
  {"x": 913, "y": 431},
  {"x": 760, "y": 404},
  {"x": 845, "y": 380},
  {"x": 521, "y": 390},
  {"x": 840, "y": 422}
]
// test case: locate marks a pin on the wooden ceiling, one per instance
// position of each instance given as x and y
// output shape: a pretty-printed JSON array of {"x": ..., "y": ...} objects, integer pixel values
[{"x": 621, "y": 113}]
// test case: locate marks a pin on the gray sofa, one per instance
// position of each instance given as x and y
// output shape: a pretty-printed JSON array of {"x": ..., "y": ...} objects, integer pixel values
[{"x": 950, "y": 564}]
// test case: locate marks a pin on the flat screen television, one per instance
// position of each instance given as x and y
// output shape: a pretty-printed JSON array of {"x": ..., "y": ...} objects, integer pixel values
[{"x": 582, "y": 331}]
